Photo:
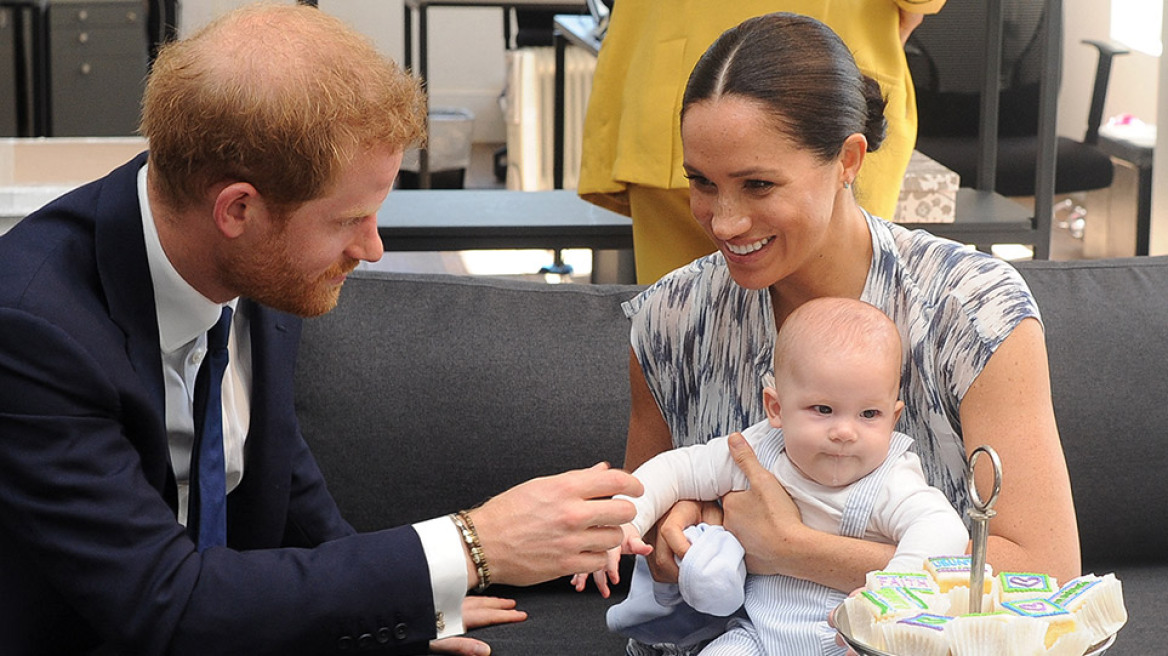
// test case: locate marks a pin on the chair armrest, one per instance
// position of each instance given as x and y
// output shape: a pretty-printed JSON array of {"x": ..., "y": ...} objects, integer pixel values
[{"x": 1108, "y": 50}]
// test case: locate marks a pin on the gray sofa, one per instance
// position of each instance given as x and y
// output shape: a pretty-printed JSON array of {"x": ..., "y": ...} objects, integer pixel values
[{"x": 423, "y": 394}]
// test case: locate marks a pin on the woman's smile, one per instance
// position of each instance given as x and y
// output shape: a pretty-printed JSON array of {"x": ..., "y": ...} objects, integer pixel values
[{"x": 748, "y": 248}]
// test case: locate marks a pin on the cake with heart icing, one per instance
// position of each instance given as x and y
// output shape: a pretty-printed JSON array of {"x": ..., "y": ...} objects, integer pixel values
[
  {"x": 1016, "y": 586},
  {"x": 924, "y": 613}
]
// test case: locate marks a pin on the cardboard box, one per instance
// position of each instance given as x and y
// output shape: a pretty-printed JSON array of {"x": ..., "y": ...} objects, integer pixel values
[{"x": 928, "y": 193}]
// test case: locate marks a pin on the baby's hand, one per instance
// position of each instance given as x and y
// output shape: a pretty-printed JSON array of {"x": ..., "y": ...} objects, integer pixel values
[
  {"x": 611, "y": 571},
  {"x": 632, "y": 544}
]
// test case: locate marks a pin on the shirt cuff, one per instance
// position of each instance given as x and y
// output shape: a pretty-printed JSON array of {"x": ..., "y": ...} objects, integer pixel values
[{"x": 446, "y": 557}]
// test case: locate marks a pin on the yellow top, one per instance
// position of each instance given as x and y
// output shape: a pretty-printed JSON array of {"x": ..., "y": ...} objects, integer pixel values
[{"x": 651, "y": 47}]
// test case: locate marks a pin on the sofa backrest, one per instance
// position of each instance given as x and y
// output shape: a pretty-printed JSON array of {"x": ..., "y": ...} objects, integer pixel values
[
  {"x": 424, "y": 394},
  {"x": 1106, "y": 327}
]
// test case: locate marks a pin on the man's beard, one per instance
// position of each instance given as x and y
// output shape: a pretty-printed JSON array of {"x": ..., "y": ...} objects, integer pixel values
[{"x": 270, "y": 277}]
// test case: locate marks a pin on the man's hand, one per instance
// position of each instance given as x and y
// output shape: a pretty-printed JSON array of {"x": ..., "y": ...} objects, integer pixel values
[
  {"x": 478, "y": 612},
  {"x": 555, "y": 526},
  {"x": 761, "y": 517}
]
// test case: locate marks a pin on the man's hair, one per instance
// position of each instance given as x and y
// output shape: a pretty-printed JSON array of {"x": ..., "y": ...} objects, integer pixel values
[{"x": 277, "y": 96}]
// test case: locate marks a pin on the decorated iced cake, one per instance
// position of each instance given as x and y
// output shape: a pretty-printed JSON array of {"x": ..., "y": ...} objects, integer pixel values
[{"x": 925, "y": 613}]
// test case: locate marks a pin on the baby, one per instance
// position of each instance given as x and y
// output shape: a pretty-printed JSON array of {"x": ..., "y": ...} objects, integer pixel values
[{"x": 829, "y": 439}]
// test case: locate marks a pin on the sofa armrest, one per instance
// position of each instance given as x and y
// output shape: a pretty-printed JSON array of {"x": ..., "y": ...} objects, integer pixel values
[{"x": 1106, "y": 325}]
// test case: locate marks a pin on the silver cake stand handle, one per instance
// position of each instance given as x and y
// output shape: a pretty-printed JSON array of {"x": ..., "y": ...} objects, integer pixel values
[{"x": 980, "y": 512}]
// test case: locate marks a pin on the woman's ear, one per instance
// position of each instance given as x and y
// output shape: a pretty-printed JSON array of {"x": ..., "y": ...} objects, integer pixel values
[
  {"x": 852, "y": 156},
  {"x": 770, "y": 401},
  {"x": 236, "y": 206}
]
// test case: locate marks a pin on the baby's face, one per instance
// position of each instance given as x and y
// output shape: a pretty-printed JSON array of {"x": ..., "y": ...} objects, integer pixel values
[{"x": 837, "y": 414}]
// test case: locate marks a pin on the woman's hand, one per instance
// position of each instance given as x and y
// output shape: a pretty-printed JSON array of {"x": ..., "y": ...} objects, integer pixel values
[
  {"x": 668, "y": 538},
  {"x": 839, "y": 639},
  {"x": 763, "y": 517},
  {"x": 478, "y": 612}
]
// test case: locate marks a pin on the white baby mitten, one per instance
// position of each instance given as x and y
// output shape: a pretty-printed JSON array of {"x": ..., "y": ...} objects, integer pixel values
[{"x": 713, "y": 572}]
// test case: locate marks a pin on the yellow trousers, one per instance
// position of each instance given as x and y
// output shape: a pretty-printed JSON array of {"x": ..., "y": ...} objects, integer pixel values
[{"x": 665, "y": 234}]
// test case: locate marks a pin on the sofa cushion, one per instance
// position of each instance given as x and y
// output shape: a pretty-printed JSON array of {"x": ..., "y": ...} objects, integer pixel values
[{"x": 1106, "y": 327}]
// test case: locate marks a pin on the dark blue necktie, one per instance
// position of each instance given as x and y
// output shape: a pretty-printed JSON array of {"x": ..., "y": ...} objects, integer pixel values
[{"x": 207, "y": 510}]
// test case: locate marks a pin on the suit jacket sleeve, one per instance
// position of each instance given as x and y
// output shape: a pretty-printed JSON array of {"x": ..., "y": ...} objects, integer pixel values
[{"x": 81, "y": 505}]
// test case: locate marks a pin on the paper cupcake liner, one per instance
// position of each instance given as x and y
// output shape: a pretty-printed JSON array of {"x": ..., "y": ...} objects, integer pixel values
[
  {"x": 996, "y": 635},
  {"x": 918, "y": 641}
]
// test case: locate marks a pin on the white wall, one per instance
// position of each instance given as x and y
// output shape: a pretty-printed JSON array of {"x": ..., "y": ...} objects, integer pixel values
[
  {"x": 466, "y": 54},
  {"x": 1159, "y": 236},
  {"x": 1133, "y": 88},
  {"x": 1138, "y": 85}
]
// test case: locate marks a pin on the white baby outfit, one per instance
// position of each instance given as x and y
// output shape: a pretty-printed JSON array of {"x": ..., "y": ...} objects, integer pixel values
[{"x": 783, "y": 615}]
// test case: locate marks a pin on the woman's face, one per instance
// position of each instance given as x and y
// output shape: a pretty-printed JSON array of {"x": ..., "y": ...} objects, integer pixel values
[{"x": 766, "y": 203}]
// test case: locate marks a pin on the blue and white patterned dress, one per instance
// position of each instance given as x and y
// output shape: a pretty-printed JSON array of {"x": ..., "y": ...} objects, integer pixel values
[{"x": 705, "y": 343}]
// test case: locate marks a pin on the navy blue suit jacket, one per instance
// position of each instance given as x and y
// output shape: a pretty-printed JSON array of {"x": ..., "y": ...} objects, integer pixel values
[{"x": 91, "y": 555}]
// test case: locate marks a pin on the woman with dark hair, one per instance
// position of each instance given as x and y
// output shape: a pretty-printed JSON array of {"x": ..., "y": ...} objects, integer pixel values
[
  {"x": 776, "y": 123},
  {"x": 631, "y": 159}
]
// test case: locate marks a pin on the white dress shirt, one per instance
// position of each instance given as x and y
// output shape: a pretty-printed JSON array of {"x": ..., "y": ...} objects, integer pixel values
[{"x": 184, "y": 317}]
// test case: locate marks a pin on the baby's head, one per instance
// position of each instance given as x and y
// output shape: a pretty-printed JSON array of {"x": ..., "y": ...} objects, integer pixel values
[{"x": 837, "y": 382}]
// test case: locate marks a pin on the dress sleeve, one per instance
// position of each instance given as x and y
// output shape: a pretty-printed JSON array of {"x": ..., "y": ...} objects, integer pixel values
[
  {"x": 703, "y": 343},
  {"x": 987, "y": 303},
  {"x": 664, "y": 343}
]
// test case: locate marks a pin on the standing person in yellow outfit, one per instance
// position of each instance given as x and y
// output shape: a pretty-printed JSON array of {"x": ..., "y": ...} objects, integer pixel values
[{"x": 631, "y": 160}]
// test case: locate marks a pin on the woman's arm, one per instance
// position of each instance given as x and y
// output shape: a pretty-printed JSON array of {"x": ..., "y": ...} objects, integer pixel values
[
  {"x": 648, "y": 432},
  {"x": 648, "y": 436},
  {"x": 1009, "y": 408}
]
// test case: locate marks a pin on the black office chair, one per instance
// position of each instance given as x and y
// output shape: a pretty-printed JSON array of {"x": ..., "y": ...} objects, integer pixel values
[{"x": 945, "y": 56}]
